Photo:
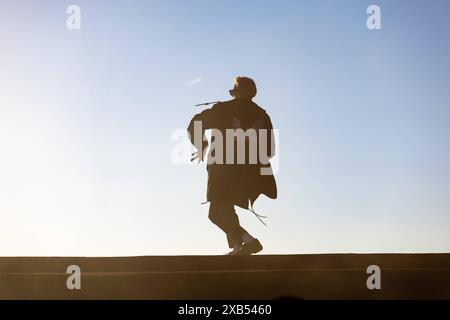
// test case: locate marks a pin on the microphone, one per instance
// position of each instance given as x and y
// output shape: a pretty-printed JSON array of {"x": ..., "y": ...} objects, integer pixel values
[{"x": 206, "y": 103}]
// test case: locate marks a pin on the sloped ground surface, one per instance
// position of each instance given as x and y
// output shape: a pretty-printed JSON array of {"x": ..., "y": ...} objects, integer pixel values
[{"x": 325, "y": 276}]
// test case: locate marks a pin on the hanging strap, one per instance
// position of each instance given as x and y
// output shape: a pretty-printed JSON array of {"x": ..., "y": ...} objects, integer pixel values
[
  {"x": 250, "y": 208},
  {"x": 259, "y": 216}
]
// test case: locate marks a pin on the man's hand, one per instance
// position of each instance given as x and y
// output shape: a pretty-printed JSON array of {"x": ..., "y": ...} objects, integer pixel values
[{"x": 196, "y": 155}]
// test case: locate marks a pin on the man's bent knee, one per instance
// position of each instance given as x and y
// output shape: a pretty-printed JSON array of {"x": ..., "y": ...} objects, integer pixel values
[{"x": 216, "y": 213}]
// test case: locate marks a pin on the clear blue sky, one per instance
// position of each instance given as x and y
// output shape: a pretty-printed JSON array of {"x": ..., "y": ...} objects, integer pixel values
[{"x": 86, "y": 119}]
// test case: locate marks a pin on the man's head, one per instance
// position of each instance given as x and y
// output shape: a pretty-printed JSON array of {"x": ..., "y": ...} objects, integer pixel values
[{"x": 244, "y": 88}]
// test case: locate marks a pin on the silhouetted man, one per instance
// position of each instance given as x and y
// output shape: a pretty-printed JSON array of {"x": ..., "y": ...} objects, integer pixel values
[{"x": 240, "y": 130}]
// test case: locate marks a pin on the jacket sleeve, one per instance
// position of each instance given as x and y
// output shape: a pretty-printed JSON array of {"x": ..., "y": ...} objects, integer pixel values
[
  {"x": 270, "y": 138},
  {"x": 202, "y": 121}
]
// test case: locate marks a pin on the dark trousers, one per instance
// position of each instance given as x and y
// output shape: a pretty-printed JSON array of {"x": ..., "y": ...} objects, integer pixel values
[{"x": 223, "y": 215}]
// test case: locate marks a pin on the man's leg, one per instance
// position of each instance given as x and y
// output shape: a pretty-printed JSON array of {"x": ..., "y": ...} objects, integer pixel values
[{"x": 222, "y": 214}]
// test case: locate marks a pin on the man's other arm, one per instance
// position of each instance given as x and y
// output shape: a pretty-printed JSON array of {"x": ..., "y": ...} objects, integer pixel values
[
  {"x": 270, "y": 138},
  {"x": 206, "y": 119}
]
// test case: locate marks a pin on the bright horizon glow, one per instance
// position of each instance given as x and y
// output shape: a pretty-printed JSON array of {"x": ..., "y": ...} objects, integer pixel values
[{"x": 86, "y": 119}]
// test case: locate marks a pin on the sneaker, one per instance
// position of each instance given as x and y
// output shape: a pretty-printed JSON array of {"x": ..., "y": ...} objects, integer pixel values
[
  {"x": 234, "y": 251},
  {"x": 249, "y": 248}
]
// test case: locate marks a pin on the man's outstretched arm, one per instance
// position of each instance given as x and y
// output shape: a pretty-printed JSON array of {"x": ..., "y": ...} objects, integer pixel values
[
  {"x": 202, "y": 121},
  {"x": 197, "y": 136}
]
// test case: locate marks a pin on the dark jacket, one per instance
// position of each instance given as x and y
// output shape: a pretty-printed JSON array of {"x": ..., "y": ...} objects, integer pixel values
[{"x": 237, "y": 183}]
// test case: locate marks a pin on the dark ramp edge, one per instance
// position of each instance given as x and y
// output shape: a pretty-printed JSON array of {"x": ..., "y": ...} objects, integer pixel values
[{"x": 323, "y": 276}]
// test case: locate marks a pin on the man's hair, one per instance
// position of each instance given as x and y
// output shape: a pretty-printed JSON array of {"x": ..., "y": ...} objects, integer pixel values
[{"x": 246, "y": 86}]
